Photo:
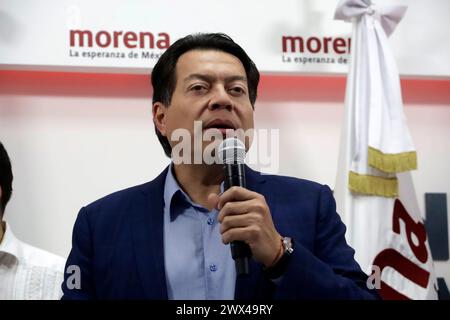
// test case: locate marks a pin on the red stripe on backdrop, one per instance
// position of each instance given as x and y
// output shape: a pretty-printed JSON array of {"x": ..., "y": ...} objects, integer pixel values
[
  {"x": 272, "y": 87},
  {"x": 332, "y": 88}
]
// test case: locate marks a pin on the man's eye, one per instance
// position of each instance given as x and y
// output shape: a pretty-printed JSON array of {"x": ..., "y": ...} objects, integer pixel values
[
  {"x": 198, "y": 87},
  {"x": 237, "y": 90}
]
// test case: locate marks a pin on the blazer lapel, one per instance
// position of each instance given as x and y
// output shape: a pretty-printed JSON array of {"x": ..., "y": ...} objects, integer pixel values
[
  {"x": 148, "y": 226},
  {"x": 250, "y": 287}
]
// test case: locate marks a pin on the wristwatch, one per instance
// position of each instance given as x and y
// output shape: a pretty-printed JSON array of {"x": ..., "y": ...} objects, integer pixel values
[
  {"x": 280, "y": 267},
  {"x": 288, "y": 245}
]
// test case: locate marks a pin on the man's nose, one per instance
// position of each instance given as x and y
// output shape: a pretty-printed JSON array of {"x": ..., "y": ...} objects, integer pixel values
[{"x": 221, "y": 99}]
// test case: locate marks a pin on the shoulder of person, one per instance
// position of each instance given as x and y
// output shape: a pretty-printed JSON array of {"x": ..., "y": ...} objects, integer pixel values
[{"x": 288, "y": 184}]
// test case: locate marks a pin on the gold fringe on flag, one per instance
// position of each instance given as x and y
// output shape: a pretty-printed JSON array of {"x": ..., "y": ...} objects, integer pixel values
[
  {"x": 373, "y": 185},
  {"x": 392, "y": 162}
]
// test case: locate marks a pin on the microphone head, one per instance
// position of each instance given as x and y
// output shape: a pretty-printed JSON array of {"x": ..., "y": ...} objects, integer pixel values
[{"x": 232, "y": 151}]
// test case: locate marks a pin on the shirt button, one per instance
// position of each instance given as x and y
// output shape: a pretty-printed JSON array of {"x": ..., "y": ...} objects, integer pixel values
[
  {"x": 210, "y": 221},
  {"x": 212, "y": 267}
]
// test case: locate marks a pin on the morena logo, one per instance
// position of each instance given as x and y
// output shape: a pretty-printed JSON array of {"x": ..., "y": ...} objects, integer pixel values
[
  {"x": 299, "y": 44},
  {"x": 117, "y": 39}
]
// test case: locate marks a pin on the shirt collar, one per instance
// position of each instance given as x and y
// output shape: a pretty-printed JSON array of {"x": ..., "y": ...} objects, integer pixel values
[
  {"x": 10, "y": 244},
  {"x": 172, "y": 191}
]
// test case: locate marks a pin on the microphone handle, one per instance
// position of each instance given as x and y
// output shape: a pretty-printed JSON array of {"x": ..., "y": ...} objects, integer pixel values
[{"x": 240, "y": 251}]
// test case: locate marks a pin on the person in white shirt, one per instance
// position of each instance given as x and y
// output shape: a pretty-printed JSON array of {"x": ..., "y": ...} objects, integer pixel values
[{"x": 26, "y": 272}]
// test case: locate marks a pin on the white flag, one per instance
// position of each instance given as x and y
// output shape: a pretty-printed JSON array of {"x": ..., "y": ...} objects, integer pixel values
[{"x": 374, "y": 190}]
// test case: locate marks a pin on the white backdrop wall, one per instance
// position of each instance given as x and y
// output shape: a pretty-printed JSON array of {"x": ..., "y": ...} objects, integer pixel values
[
  {"x": 73, "y": 138},
  {"x": 40, "y": 34}
]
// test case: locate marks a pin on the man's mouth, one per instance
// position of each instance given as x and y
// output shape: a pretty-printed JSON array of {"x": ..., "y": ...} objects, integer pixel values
[{"x": 220, "y": 124}]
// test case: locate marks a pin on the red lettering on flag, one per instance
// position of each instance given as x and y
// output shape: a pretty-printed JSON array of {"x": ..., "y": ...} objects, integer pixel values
[{"x": 392, "y": 258}]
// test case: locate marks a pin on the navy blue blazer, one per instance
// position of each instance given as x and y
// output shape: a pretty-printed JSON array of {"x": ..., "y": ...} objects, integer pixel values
[{"x": 118, "y": 245}]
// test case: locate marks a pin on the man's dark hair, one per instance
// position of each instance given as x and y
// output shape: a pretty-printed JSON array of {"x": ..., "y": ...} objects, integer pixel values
[
  {"x": 164, "y": 76},
  {"x": 6, "y": 178}
]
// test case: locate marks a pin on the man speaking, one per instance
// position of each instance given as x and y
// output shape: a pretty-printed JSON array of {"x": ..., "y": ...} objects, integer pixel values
[{"x": 189, "y": 235}]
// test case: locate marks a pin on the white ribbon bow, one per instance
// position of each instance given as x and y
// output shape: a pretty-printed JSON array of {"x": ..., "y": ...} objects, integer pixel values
[{"x": 389, "y": 16}]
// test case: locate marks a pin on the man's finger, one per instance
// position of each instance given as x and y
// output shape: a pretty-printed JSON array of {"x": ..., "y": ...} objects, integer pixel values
[
  {"x": 234, "y": 208},
  {"x": 235, "y": 194},
  {"x": 235, "y": 234},
  {"x": 239, "y": 221},
  {"x": 213, "y": 200}
]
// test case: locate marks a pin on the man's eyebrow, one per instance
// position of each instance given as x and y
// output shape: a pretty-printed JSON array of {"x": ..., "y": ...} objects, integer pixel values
[
  {"x": 236, "y": 78},
  {"x": 210, "y": 78}
]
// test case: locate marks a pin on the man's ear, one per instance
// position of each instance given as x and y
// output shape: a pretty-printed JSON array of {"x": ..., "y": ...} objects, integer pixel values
[{"x": 159, "y": 117}]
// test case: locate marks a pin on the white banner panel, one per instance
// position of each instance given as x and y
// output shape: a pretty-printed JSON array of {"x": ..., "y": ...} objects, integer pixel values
[{"x": 289, "y": 36}]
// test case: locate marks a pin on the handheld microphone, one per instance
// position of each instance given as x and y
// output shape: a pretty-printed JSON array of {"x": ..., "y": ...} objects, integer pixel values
[{"x": 232, "y": 155}]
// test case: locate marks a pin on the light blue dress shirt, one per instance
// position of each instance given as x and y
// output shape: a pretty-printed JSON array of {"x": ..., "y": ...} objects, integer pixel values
[{"x": 197, "y": 263}]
